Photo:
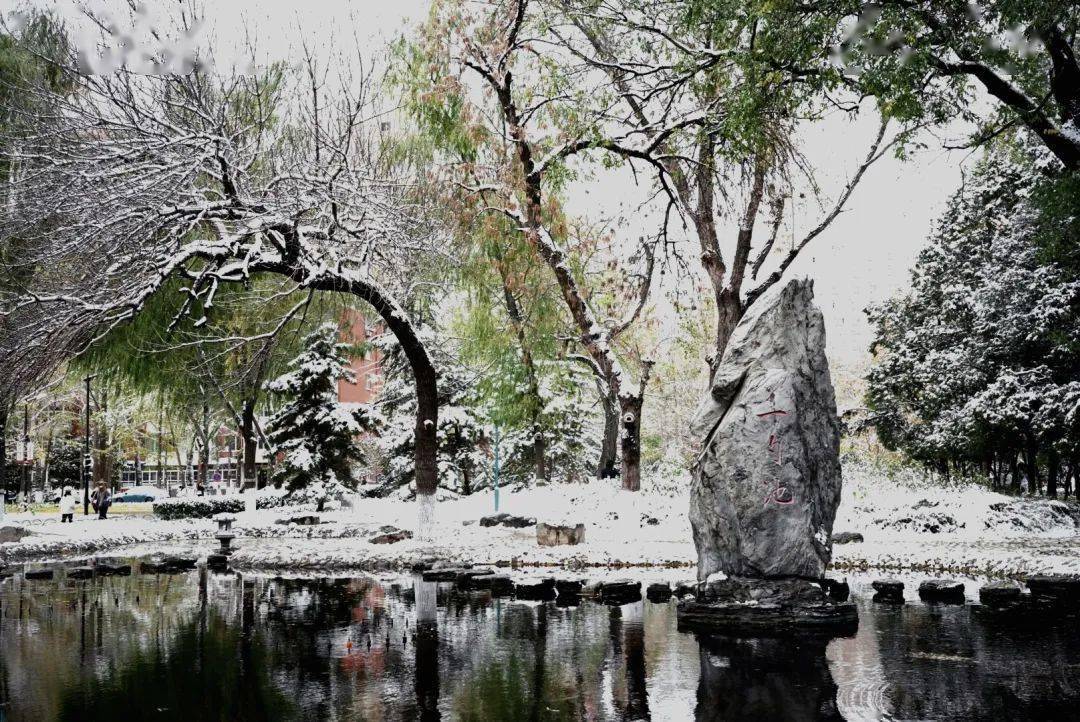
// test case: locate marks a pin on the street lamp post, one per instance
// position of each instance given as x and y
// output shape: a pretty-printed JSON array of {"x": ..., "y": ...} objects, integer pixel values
[
  {"x": 84, "y": 471},
  {"x": 496, "y": 470},
  {"x": 26, "y": 453}
]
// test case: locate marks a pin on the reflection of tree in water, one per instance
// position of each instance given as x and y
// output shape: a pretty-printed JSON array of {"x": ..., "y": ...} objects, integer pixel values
[
  {"x": 426, "y": 639},
  {"x": 764, "y": 679},
  {"x": 55, "y": 632},
  {"x": 550, "y": 663},
  {"x": 5, "y": 694},
  {"x": 627, "y": 634},
  {"x": 193, "y": 675},
  {"x": 426, "y": 651},
  {"x": 539, "y": 663},
  {"x": 308, "y": 620},
  {"x": 948, "y": 662}
]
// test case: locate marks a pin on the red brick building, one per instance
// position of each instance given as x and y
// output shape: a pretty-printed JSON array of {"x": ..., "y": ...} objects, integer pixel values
[{"x": 368, "y": 367}]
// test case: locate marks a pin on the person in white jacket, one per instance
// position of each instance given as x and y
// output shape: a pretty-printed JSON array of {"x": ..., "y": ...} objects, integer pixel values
[{"x": 67, "y": 506}]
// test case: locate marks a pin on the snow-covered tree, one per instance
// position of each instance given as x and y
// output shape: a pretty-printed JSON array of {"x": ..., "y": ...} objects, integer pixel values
[
  {"x": 460, "y": 433},
  {"x": 314, "y": 431},
  {"x": 573, "y": 422},
  {"x": 472, "y": 420},
  {"x": 213, "y": 178},
  {"x": 977, "y": 363}
]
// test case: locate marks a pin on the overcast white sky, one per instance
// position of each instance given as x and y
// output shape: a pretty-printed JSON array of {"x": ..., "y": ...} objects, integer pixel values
[{"x": 863, "y": 258}]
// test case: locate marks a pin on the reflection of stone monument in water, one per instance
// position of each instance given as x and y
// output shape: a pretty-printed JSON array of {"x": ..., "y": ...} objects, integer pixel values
[
  {"x": 764, "y": 679},
  {"x": 767, "y": 478}
]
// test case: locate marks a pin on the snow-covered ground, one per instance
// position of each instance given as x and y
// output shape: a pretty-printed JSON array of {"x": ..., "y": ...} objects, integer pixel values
[
  {"x": 907, "y": 524},
  {"x": 911, "y": 524}
]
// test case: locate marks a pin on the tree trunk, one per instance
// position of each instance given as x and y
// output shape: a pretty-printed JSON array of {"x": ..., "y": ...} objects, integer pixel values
[
  {"x": 630, "y": 441},
  {"x": 26, "y": 466},
  {"x": 609, "y": 449},
  {"x": 188, "y": 462},
  {"x": 540, "y": 453},
  {"x": 1052, "y": 475},
  {"x": 1014, "y": 472},
  {"x": 397, "y": 322},
  {"x": 48, "y": 459},
  {"x": 100, "y": 473},
  {"x": 1031, "y": 462},
  {"x": 466, "y": 481},
  {"x": 424, "y": 374},
  {"x": 3, "y": 449},
  {"x": 728, "y": 312},
  {"x": 204, "y": 452},
  {"x": 596, "y": 342},
  {"x": 247, "y": 433},
  {"x": 162, "y": 476},
  {"x": 427, "y": 411}
]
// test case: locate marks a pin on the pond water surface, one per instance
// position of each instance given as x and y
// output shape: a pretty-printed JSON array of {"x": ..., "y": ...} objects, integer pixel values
[{"x": 206, "y": 646}]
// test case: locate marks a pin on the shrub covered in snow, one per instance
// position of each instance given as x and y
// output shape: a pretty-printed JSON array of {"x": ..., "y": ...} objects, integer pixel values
[
  {"x": 321, "y": 496},
  {"x": 461, "y": 457},
  {"x": 199, "y": 507},
  {"x": 1040, "y": 516}
]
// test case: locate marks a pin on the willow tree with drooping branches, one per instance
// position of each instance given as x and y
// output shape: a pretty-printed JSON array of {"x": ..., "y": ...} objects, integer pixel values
[
  {"x": 477, "y": 88},
  {"x": 736, "y": 166},
  {"x": 132, "y": 180}
]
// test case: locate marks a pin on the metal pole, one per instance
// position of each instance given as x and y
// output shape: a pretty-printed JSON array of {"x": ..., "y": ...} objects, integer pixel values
[{"x": 496, "y": 472}]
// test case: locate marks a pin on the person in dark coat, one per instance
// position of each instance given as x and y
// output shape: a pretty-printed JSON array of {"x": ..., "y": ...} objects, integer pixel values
[{"x": 101, "y": 500}]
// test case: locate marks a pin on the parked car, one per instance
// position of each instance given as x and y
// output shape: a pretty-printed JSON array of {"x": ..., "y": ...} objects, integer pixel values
[{"x": 139, "y": 494}]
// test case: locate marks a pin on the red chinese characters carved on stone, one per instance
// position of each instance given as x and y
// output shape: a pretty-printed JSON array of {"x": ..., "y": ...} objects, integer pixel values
[{"x": 778, "y": 493}]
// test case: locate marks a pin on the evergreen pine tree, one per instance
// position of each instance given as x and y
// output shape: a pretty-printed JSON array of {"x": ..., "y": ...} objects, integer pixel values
[
  {"x": 316, "y": 433},
  {"x": 976, "y": 363}
]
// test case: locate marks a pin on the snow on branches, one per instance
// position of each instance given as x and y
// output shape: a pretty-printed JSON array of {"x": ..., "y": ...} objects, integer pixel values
[
  {"x": 127, "y": 181},
  {"x": 977, "y": 363},
  {"x": 315, "y": 433}
]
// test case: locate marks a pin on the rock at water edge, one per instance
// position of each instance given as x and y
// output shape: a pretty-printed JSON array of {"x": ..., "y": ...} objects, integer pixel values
[
  {"x": 550, "y": 535},
  {"x": 942, "y": 590},
  {"x": 766, "y": 607},
  {"x": 999, "y": 594},
  {"x": 658, "y": 592}
]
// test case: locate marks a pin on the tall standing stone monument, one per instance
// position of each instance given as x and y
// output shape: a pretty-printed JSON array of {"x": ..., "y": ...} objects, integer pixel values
[{"x": 767, "y": 478}]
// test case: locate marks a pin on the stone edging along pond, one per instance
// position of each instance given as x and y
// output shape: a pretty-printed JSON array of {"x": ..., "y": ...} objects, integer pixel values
[
  {"x": 17, "y": 553},
  {"x": 959, "y": 561},
  {"x": 72, "y": 552},
  {"x": 961, "y": 569}
]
